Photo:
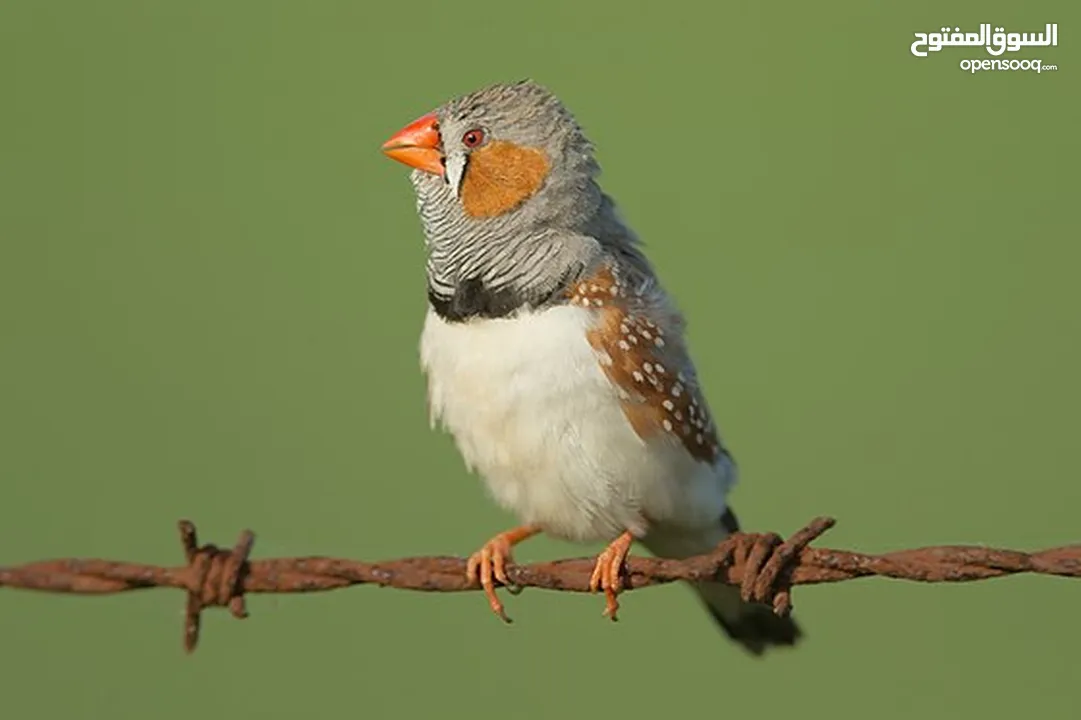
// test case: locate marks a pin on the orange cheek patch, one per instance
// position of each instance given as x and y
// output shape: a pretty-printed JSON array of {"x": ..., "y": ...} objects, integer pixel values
[{"x": 500, "y": 177}]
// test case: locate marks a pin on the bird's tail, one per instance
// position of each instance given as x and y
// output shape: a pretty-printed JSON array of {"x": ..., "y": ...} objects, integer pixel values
[{"x": 754, "y": 626}]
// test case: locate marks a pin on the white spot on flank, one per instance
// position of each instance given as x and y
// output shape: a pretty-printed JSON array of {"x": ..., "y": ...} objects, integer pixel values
[
  {"x": 598, "y": 302},
  {"x": 667, "y": 425},
  {"x": 668, "y": 405},
  {"x": 659, "y": 368},
  {"x": 646, "y": 335},
  {"x": 624, "y": 346},
  {"x": 648, "y": 367},
  {"x": 658, "y": 342},
  {"x": 677, "y": 390},
  {"x": 698, "y": 438},
  {"x": 637, "y": 376},
  {"x": 633, "y": 339}
]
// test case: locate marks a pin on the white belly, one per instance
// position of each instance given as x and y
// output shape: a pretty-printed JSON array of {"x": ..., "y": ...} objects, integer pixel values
[{"x": 531, "y": 412}]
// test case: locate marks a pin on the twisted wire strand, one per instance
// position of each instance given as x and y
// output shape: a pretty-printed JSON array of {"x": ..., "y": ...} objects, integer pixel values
[{"x": 763, "y": 565}]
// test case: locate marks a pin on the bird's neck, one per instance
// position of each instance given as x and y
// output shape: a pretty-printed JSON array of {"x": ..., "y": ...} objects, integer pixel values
[
  {"x": 477, "y": 276},
  {"x": 501, "y": 266}
]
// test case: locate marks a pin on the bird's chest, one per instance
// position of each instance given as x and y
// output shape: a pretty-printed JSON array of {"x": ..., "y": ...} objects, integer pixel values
[{"x": 532, "y": 412}]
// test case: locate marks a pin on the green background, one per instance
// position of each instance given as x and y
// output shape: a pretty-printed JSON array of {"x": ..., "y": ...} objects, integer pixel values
[{"x": 211, "y": 290}]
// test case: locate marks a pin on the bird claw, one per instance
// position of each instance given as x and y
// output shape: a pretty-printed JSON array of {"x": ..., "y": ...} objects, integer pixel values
[
  {"x": 608, "y": 573},
  {"x": 487, "y": 563},
  {"x": 490, "y": 564}
]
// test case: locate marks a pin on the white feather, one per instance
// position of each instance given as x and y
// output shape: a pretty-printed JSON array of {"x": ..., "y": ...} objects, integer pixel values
[
  {"x": 534, "y": 415},
  {"x": 453, "y": 171}
]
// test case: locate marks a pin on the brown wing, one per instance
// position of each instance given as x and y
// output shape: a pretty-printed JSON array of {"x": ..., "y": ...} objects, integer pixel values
[{"x": 640, "y": 347}]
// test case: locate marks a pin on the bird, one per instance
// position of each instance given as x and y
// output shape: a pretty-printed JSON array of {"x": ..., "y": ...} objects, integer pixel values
[{"x": 555, "y": 358}]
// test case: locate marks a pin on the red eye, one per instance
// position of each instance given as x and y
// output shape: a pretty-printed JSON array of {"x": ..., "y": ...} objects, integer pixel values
[{"x": 473, "y": 138}]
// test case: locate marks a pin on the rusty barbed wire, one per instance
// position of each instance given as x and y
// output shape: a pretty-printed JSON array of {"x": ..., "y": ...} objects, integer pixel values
[{"x": 763, "y": 565}]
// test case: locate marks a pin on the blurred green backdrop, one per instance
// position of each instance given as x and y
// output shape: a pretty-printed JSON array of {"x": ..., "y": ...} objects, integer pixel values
[{"x": 211, "y": 291}]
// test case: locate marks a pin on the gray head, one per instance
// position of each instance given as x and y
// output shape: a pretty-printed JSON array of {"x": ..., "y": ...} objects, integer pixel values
[{"x": 507, "y": 193}]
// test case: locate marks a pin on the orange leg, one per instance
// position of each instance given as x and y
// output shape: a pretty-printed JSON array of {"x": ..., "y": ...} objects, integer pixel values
[
  {"x": 607, "y": 574},
  {"x": 491, "y": 560}
]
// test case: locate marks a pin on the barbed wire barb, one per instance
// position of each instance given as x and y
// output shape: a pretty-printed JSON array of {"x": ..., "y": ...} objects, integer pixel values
[{"x": 763, "y": 565}]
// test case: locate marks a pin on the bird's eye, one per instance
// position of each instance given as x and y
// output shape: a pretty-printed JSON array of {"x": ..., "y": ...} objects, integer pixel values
[{"x": 473, "y": 138}]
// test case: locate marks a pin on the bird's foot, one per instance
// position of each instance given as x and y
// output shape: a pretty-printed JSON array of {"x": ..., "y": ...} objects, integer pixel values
[
  {"x": 490, "y": 564},
  {"x": 608, "y": 572}
]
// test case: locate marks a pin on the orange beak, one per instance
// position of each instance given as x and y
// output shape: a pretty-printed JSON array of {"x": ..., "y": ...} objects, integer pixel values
[{"x": 417, "y": 145}]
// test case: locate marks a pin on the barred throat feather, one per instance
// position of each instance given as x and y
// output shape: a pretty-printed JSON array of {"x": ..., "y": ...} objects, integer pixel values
[{"x": 495, "y": 266}]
